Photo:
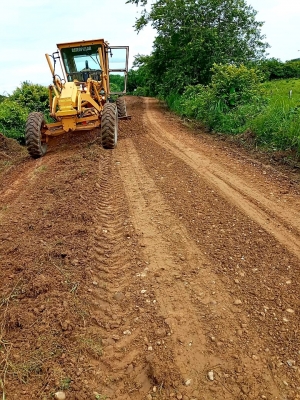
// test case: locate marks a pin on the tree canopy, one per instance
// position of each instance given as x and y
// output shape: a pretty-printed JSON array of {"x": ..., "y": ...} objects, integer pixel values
[{"x": 192, "y": 35}]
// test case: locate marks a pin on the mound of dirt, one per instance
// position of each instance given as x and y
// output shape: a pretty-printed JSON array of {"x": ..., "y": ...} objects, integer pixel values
[{"x": 10, "y": 149}]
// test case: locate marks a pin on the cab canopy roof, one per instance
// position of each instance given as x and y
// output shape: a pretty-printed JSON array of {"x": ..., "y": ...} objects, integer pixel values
[{"x": 81, "y": 43}]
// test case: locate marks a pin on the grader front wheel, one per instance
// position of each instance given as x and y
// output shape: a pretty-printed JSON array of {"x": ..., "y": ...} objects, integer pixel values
[
  {"x": 109, "y": 126},
  {"x": 33, "y": 135}
]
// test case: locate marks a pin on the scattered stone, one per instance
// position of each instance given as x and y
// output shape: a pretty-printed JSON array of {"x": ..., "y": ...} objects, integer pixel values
[
  {"x": 118, "y": 296},
  {"x": 210, "y": 375},
  {"x": 161, "y": 332},
  {"x": 290, "y": 310},
  {"x": 291, "y": 363},
  {"x": 129, "y": 369},
  {"x": 60, "y": 396},
  {"x": 237, "y": 302}
]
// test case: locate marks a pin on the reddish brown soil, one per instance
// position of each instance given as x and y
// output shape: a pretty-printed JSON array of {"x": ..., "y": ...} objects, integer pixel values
[{"x": 166, "y": 268}]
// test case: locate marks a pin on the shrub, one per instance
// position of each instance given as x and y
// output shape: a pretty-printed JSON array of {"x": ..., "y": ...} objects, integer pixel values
[
  {"x": 33, "y": 97},
  {"x": 13, "y": 118},
  {"x": 14, "y": 109}
]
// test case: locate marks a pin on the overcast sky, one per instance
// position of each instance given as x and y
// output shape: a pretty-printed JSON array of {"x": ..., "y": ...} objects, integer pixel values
[{"x": 31, "y": 28}]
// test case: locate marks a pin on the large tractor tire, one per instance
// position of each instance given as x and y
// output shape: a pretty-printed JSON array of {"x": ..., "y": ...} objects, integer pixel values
[
  {"x": 121, "y": 106},
  {"x": 33, "y": 135},
  {"x": 109, "y": 126}
]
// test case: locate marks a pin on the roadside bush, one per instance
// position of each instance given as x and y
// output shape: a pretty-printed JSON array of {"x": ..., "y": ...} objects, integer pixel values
[
  {"x": 236, "y": 85},
  {"x": 14, "y": 109},
  {"x": 13, "y": 118},
  {"x": 141, "y": 91},
  {"x": 226, "y": 105},
  {"x": 33, "y": 97}
]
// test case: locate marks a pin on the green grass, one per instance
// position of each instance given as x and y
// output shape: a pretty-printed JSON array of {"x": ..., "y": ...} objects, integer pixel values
[
  {"x": 278, "y": 90},
  {"x": 278, "y": 126}
]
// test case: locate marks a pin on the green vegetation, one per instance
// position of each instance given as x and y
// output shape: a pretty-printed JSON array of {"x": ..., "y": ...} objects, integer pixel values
[
  {"x": 14, "y": 109},
  {"x": 278, "y": 125},
  {"x": 117, "y": 83},
  {"x": 208, "y": 64},
  {"x": 270, "y": 111},
  {"x": 192, "y": 36}
]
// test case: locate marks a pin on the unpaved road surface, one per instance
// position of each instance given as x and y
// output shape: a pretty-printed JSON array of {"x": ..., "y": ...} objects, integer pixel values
[{"x": 166, "y": 268}]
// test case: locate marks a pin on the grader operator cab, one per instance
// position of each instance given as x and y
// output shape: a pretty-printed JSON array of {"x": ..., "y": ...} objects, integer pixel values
[{"x": 86, "y": 94}]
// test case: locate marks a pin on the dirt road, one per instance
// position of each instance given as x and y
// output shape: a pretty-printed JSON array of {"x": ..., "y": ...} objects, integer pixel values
[{"x": 167, "y": 268}]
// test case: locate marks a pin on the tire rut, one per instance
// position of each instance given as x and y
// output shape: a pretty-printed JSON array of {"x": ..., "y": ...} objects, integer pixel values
[
  {"x": 192, "y": 298},
  {"x": 284, "y": 226},
  {"x": 119, "y": 296}
]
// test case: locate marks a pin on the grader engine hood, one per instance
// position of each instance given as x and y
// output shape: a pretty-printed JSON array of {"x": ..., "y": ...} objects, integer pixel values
[{"x": 68, "y": 100}]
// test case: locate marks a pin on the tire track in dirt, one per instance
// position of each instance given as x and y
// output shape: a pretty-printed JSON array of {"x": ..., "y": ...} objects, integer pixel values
[
  {"x": 193, "y": 300},
  {"x": 122, "y": 309},
  {"x": 271, "y": 216}
]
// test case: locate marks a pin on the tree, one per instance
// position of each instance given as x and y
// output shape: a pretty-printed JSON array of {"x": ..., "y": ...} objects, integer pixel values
[{"x": 192, "y": 35}]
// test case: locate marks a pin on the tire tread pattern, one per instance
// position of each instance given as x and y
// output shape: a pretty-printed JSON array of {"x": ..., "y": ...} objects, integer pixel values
[
  {"x": 109, "y": 125},
  {"x": 33, "y": 135},
  {"x": 121, "y": 106}
]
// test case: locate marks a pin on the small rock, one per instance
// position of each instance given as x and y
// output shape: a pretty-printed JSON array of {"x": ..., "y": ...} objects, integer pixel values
[
  {"x": 129, "y": 369},
  {"x": 211, "y": 375},
  {"x": 291, "y": 363},
  {"x": 127, "y": 332},
  {"x": 237, "y": 302},
  {"x": 161, "y": 332},
  {"x": 143, "y": 291},
  {"x": 179, "y": 396},
  {"x": 118, "y": 296},
  {"x": 150, "y": 348},
  {"x": 149, "y": 397},
  {"x": 95, "y": 283},
  {"x": 188, "y": 382},
  {"x": 60, "y": 395},
  {"x": 154, "y": 389},
  {"x": 290, "y": 310}
]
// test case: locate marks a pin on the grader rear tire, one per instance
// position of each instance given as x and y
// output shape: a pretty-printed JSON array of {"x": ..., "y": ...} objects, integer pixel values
[
  {"x": 33, "y": 135},
  {"x": 121, "y": 106},
  {"x": 109, "y": 126}
]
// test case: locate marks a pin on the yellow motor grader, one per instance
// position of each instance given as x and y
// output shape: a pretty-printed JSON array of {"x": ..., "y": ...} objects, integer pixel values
[{"x": 86, "y": 94}]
